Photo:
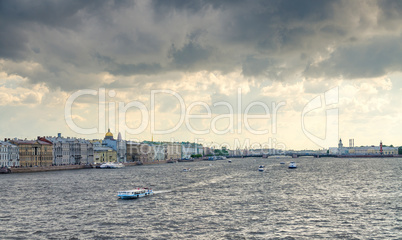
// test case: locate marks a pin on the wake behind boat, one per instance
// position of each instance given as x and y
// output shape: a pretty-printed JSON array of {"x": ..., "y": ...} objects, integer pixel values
[
  {"x": 135, "y": 193},
  {"x": 112, "y": 165}
]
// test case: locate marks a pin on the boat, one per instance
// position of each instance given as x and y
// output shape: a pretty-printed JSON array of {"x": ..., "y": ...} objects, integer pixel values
[
  {"x": 261, "y": 168},
  {"x": 292, "y": 165},
  {"x": 229, "y": 161},
  {"x": 135, "y": 193},
  {"x": 220, "y": 158},
  {"x": 112, "y": 165},
  {"x": 282, "y": 162},
  {"x": 5, "y": 170},
  {"x": 186, "y": 169}
]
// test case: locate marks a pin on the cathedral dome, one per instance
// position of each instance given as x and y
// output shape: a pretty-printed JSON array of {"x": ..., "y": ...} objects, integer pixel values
[{"x": 109, "y": 135}]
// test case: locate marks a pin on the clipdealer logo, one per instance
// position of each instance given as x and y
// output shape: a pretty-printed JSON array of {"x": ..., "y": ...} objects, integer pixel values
[{"x": 236, "y": 122}]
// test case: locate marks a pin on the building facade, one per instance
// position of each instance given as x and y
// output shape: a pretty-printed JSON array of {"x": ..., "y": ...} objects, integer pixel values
[
  {"x": 139, "y": 152},
  {"x": 363, "y": 150},
  {"x": 104, "y": 154},
  {"x": 189, "y": 149},
  {"x": 118, "y": 145},
  {"x": 34, "y": 152},
  {"x": 173, "y": 151},
  {"x": 9, "y": 155},
  {"x": 69, "y": 151}
]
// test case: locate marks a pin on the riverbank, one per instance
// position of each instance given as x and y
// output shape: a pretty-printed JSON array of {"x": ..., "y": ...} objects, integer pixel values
[
  {"x": 45, "y": 169},
  {"x": 76, "y": 167}
]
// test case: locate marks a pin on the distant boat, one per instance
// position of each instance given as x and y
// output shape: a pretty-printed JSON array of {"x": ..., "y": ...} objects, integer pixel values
[
  {"x": 112, "y": 165},
  {"x": 135, "y": 193},
  {"x": 292, "y": 165},
  {"x": 5, "y": 170},
  {"x": 229, "y": 161},
  {"x": 282, "y": 162},
  {"x": 212, "y": 158},
  {"x": 261, "y": 168},
  {"x": 186, "y": 169}
]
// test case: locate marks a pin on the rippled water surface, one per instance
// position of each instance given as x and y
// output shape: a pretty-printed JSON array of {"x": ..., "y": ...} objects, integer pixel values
[{"x": 322, "y": 198}]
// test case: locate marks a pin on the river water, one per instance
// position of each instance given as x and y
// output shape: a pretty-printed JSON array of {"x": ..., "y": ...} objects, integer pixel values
[{"x": 323, "y": 198}]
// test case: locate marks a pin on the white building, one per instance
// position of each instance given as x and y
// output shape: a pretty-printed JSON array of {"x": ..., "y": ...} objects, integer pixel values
[
  {"x": 68, "y": 150},
  {"x": 367, "y": 150},
  {"x": 9, "y": 155},
  {"x": 188, "y": 149},
  {"x": 158, "y": 152}
]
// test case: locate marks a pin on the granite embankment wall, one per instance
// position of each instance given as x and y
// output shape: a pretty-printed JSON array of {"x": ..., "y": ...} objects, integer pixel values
[
  {"x": 45, "y": 169},
  {"x": 74, "y": 167}
]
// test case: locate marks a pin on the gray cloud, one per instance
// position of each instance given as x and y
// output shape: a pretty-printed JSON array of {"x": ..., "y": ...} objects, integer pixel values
[
  {"x": 189, "y": 55},
  {"x": 373, "y": 58},
  {"x": 275, "y": 40}
]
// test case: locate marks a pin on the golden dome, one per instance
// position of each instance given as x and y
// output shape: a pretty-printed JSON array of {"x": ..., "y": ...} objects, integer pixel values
[{"x": 109, "y": 134}]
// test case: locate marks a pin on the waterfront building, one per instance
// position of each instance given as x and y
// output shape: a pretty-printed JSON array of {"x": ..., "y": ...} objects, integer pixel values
[
  {"x": 87, "y": 152},
  {"x": 9, "y": 155},
  {"x": 104, "y": 154},
  {"x": 34, "y": 152},
  {"x": 67, "y": 151},
  {"x": 231, "y": 153},
  {"x": 118, "y": 145},
  {"x": 189, "y": 149},
  {"x": 373, "y": 150},
  {"x": 173, "y": 151},
  {"x": 208, "y": 151},
  {"x": 158, "y": 151},
  {"x": 138, "y": 152},
  {"x": 363, "y": 150}
]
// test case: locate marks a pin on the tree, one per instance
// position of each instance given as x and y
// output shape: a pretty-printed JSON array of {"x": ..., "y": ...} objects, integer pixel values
[{"x": 400, "y": 150}]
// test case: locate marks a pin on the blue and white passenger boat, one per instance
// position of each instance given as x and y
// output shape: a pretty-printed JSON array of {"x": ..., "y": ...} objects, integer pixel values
[
  {"x": 292, "y": 165},
  {"x": 135, "y": 193}
]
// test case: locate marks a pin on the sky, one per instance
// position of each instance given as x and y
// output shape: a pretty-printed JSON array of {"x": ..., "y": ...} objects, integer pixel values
[{"x": 282, "y": 74}]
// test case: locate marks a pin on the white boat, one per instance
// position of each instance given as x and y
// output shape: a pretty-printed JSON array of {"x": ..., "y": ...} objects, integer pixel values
[
  {"x": 112, "y": 165},
  {"x": 261, "y": 168},
  {"x": 292, "y": 165},
  {"x": 135, "y": 193},
  {"x": 186, "y": 169}
]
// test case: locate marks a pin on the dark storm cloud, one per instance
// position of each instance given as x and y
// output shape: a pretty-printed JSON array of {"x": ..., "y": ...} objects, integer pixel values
[
  {"x": 73, "y": 41},
  {"x": 375, "y": 58},
  {"x": 119, "y": 69},
  {"x": 189, "y": 55},
  {"x": 18, "y": 17}
]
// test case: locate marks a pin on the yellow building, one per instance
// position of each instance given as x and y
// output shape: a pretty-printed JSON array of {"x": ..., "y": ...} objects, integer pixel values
[
  {"x": 104, "y": 154},
  {"x": 34, "y": 152},
  {"x": 372, "y": 150}
]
